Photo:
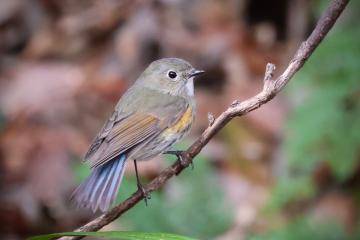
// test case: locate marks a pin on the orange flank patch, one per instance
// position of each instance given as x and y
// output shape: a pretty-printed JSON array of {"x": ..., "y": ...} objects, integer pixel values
[{"x": 182, "y": 124}]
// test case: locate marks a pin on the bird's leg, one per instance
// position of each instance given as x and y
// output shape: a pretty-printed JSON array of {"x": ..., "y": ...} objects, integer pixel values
[
  {"x": 145, "y": 193},
  {"x": 179, "y": 155}
]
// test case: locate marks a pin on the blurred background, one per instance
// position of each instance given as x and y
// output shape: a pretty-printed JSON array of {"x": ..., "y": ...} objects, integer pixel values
[{"x": 290, "y": 170}]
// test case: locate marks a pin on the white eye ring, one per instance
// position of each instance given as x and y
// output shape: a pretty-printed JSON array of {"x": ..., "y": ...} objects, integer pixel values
[{"x": 172, "y": 74}]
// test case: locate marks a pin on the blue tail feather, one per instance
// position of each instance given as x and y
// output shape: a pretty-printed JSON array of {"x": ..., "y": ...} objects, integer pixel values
[
  {"x": 99, "y": 190},
  {"x": 114, "y": 186},
  {"x": 105, "y": 186}
]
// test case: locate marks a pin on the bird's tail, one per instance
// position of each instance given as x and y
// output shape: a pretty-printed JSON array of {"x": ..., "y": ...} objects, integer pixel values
[{"x": 99, "y": 190}]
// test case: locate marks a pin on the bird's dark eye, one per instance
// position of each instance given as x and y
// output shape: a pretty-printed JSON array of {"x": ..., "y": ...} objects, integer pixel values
[{"x": 172, "y": 74}]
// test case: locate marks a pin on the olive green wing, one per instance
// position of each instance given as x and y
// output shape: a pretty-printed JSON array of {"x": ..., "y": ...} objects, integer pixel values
[
  {"x": 99, "y": 139},
  {"x": 123, "y": 132},
  {"x": 122, "y": 136}
]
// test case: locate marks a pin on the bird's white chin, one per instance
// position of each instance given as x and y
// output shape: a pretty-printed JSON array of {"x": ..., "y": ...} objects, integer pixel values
[{"x": 190, "y": 86}]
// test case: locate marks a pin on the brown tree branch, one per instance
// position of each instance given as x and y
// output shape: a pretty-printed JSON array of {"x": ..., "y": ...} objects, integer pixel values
[{"x": 236, "y": 109}]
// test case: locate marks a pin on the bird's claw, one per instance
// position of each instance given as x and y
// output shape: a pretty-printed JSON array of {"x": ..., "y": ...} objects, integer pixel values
[
  {"x": 180, "y": 157},
  {"x": 145, "y": 193}
]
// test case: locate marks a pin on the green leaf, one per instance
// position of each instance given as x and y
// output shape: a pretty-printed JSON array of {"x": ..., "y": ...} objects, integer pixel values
[{"x": 123, "y": 235}]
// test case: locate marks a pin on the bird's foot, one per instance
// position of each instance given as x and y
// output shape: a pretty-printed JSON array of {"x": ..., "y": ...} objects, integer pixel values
[
  {"x": 180, "y": 157},
  {"x": 144, "y": 192}
]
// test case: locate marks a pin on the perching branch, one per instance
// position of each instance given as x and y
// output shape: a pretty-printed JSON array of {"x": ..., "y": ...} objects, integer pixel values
[{"x": 236, "y": 109}]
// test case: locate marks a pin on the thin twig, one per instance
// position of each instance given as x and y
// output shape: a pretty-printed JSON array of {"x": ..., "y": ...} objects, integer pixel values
[{"x": 236, "y": 109}]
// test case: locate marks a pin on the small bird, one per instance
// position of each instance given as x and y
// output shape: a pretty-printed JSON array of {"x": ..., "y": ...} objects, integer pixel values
[{"x": 152, "y": 115}]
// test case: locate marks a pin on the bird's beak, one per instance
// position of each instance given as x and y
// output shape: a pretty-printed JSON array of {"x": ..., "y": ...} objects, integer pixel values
[{"x": 195, "y": 73}]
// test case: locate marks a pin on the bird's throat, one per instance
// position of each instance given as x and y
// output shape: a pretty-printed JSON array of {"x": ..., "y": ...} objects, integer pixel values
[{"x": 190, "y": 86}]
